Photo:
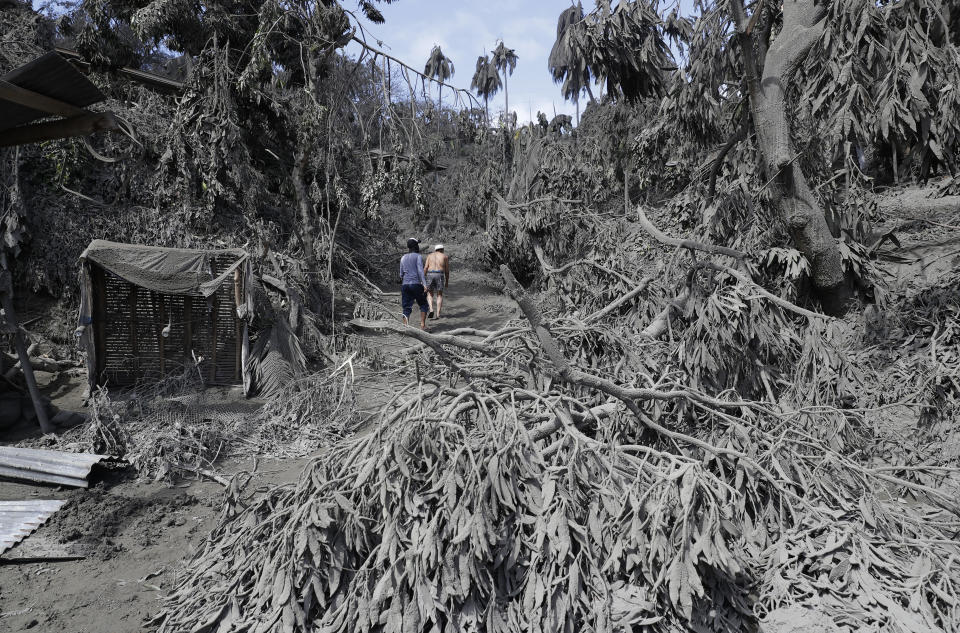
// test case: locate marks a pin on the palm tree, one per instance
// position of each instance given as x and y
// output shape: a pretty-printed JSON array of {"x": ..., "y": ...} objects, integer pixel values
[
  {"x": 486, "y": 81},
  {"x": 439, "y": 67},
  {"x": 505, "y": 60},
  {"x": 568, "y": 62}
]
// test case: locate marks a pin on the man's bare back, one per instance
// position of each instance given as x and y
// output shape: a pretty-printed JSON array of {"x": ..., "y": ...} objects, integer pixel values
[
  {"x": 437, "y": 272},
  {"x": 438, "y": 260}
]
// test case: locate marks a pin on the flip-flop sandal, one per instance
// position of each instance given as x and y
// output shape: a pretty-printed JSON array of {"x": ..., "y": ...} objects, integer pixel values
[{"x": 430, "y": 314}]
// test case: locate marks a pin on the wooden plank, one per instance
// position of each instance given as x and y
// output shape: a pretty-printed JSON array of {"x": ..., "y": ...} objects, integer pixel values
[
  {"x": 150, "y": 79},
  {"x": 132, "y": 328},
  {"x": 63, "y": 128},
  {"x": 214, "y": 309},
  {"x": 99, "y": 320},
  {"x": 162, "y": 314},
  {"x": 36, "y": 101},
  {"x": 237, "y": 326},
  {"x": 188, "y": 330}
]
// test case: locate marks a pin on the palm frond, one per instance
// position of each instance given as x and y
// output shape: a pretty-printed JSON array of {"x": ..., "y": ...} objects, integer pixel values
[
  {"x": 504, "y": 59},
  {"x": 373, "y": 14},
  {"x": 276, "y": 359},
  {"x": 438, "y": 65},
  {"x": 486, "y": 80}
]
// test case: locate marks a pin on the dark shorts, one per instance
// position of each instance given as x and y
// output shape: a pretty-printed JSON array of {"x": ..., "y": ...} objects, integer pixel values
[
  {"x": 435, "y": 281},
  {"x": 410, "y": 293}
]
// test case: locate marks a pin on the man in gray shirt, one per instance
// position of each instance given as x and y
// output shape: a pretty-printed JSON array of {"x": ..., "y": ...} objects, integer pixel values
[{"x": 413, "y": 285}]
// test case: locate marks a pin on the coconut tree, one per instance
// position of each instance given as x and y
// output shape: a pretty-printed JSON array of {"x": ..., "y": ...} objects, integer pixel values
[
  {"x": 486, "y": 82},
  {"x": 439, "y": 67},
  {"x": 567, "y": 62},
  {"x": 505, "y": 60}
]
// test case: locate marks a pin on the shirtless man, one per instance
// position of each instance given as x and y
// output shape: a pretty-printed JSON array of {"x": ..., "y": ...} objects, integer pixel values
[{"x": 437, "y": 272}]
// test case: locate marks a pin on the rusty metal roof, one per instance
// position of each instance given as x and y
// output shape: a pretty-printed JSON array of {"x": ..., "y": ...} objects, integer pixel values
[
  {"x": 52, "y": 76},
  {"x": 18, "y": 519},
  {"x": 55, "y": 467}
]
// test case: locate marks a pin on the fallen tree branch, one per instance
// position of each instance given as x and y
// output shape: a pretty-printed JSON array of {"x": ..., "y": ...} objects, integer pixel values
[
  {"x": 423, "y": 336},
  {"x": 917, "y": 204},
  {"x": 556, "y": 270},
  {"x": 659, "y": 325},
  {"x": 273, "y": 281},
  {"x": 568, "y": 373},
  {"x": 39, "y": 363},
  {"x": 203, "y": 472},
  {"x": 436, "y": 343},
  {"x": 549, "y": 428},
  {"x": 663, "y": 238},
  {"x": 613, "y": 305},
  {"x": 660, "y": 236},
  {"x": 783, "y": 303},
  {"x": 629, "y": 397}
]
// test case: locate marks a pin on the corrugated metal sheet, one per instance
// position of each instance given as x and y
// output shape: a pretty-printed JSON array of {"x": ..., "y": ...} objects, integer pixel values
[
  {"x": 55, "y": 467},
  {"x": 18, "y": 519},
  {"x": 52, "y": 76}
]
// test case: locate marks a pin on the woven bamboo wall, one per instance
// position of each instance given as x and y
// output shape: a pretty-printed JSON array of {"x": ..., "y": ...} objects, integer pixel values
[{"x": 129, "y": 321}]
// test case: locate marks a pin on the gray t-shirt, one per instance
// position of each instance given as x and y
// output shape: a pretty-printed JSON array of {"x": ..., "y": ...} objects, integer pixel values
[{"x": 411, "y": 269}]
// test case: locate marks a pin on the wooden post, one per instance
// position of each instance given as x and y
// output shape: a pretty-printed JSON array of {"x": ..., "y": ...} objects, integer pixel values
[
  {"x": 132, "y": 331},
  {"x": 214, "y": 303},
  {"x": 238, "y": 327},
  {"x": 187, "y": 330},
  {"x": 99, "y": 320},
  {"x": 161, "y": 312},
  {"x": 6, "y": 297}
]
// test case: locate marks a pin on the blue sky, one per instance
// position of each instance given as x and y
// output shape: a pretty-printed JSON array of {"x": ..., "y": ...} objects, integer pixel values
[{"x": 465, "y": 30}]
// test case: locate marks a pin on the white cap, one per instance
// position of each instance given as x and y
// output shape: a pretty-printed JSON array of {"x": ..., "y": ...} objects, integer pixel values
[{"x": 438, "y": 247}]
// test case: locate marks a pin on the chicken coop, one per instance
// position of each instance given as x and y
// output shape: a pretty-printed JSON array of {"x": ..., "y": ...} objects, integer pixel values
[{"x": 149, "y": 312}]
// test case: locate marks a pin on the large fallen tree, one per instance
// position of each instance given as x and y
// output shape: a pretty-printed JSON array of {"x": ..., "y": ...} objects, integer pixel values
[{"x": 543, "y": 480}]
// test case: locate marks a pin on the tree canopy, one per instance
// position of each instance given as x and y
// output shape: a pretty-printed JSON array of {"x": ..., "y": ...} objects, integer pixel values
[
  {"x": 438, "y": 65},
  {"x": 622, "y": 48}
]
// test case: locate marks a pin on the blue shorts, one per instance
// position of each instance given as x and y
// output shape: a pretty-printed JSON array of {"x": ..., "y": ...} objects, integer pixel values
[{"x": 410, "y": 293}]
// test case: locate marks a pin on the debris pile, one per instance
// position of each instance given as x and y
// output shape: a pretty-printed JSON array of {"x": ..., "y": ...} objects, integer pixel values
[
  {"x": 517, "y": 490},
  {"x": 175, "y": 426}
]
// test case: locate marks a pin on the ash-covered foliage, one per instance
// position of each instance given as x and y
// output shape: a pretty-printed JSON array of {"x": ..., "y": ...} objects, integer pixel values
[
  {"x": 523, "y": 499},
  {"x": 262, "y": 146},
  {"x": 672, "y": 439}
]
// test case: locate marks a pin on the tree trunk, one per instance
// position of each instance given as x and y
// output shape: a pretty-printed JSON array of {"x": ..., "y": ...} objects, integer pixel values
[
  {"x": 307, "y": 232},
  {"x": 486, "y": 109},
  {"x": 506, "y": 100},
  {"x": 506, "y": 130},
  {"x": 802, "y": 26},
  {"x": 590, "y": 92}
]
